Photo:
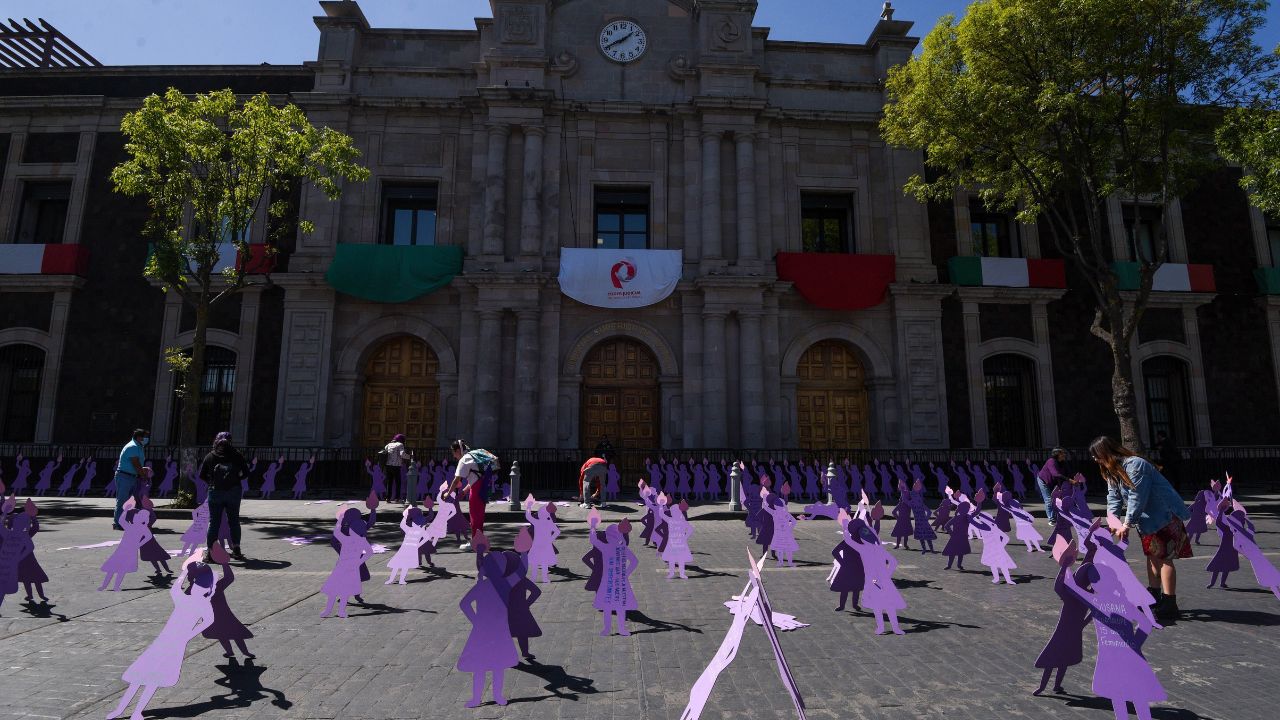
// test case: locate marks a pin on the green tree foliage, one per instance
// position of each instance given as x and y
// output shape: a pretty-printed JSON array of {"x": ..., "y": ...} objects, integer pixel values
[
  {"x": 1251, "y": 136},
  {"x": 205, "y": 165},
  {"x": 1048, "y": 108}
]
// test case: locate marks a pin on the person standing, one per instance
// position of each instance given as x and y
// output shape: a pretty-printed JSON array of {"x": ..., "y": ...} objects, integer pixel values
[
  {"x": 604, "y": 449},
  {"x": 1151, "y": 505},
  {"x": 223, "y": 468},
  {"x": 397, "y": 459},
  {"x": 1048, "y": 478},
  {"x": 474, "y": 468},
  {"x": 130, "y": 470},
  {"x": 591, "y": 479},
  {"x": 1168, "y": 457}
]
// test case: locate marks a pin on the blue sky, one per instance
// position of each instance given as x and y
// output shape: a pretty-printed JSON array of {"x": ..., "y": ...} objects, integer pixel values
[{"x": 233, "y": 32}]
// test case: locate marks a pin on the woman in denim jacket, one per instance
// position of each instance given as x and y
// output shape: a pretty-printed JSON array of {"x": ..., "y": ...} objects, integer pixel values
[{"x": 1142, "y": 498}]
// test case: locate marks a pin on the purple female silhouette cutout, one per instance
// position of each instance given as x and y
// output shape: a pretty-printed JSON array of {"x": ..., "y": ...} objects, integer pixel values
[
  {"x": 300, "y": 478},
  {"x": 198, "y": 530},
  {"x": 683, "y": 484},
  {"x": 344, "y": 581},
  {"x": 413, "y": 525},
  {"x": 489, "y": 648},
  {"x": 1024, "y": 525},
  {"x": 902, "y": 525},
  {"x": 542, "y": 556},
  {"x": 994, "y": 542},
  {"x": 377, "y": 478},
  {"x": 86, "y": 482},
  {"x": 524, "y": 593},
  {"x": 24, "y": 471},
  {"x": 679, "y": 530},
  {"x": 151, "y": 551},
  {"x": 445, "y": 513},
  {"x": 1066, "y": 646},
  {"x": 847, "y": 574},
  {"x": 783, "y": 541},
  {"x": 615, "y": 596},
  {"x": 613, "y": 488},
  {"x": 940, "y": 476},
  {"x": 269, "y": 478},
  {"x": 1198, "y": 523},
  {"x": 428, "y": 514},
  {"x": 170, "y": 477},
  {"x": 921, "y": 528},
  {"x": 764, "y": 520},
  {"x": 160, "y": 665},
  {"x": 226, "y": 627},
  {"x": 15, "y": 547},
  {"x": 1242, "y": 538},
  {"x": 878, "y": 591},
  {"x": 1019, "y": 480},
  {"x": 1121, "y": 673},
  {"x": 69, "y": 478},
  {"x": 29, "y": 571},
  {"x": 125, "y": 558},
  {"x": 458, "y": 525},
  {"x": 966, "y": 485},
  {"x": 362, "y": 528},
  {"x": 958, "y": 529}
]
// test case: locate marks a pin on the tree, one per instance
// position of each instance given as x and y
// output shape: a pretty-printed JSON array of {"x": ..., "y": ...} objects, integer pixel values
[
  {"x": 205, "y": 165},
  {"x": 1047, "y": 108},
  {"x": 1250, "y": 136}
]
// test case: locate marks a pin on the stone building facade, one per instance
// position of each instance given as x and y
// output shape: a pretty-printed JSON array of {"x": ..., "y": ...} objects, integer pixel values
[{"x": 533, "y": 133}]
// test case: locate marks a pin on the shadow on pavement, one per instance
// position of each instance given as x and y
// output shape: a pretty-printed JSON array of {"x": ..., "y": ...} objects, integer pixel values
[
  {"x": 560, "y": 683},
  {"x": 245, "y": 685}
]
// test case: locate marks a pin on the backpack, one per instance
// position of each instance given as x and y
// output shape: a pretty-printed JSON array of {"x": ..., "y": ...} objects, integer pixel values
[
  {"x": 486, "y": 462},
  {"x": 221, "y": 476},
  {"x": 381, "y": 456}
]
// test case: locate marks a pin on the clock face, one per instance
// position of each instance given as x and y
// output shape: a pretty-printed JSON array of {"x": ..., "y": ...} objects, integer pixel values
[{"x": 623, "y": 41}]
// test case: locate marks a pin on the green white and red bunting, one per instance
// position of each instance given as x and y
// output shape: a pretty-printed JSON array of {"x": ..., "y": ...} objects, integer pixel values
[
  {"x": 1169, "y": 277},
  {"x": 1007, "y": 272},
  {"x": 44, "y": 259}
]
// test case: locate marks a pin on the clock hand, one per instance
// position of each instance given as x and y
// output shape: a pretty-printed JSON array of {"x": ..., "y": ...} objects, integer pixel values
[{"x": 615, "y": 42}]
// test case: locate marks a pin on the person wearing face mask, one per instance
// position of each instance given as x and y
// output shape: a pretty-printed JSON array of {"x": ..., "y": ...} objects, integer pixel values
[{"x": 130, "y": 470}]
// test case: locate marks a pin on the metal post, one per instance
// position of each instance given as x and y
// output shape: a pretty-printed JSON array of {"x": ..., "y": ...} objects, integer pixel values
[
  {"x": 514, "y": 477},
  {"x": 831, "y": 478},
  {"x": 735, "y": 489}
]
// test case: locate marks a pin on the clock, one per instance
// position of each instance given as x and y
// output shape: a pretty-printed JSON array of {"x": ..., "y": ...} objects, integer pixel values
[{"x": 623, "y": 41}]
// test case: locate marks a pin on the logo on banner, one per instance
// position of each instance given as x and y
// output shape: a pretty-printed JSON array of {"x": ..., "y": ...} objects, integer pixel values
[{"x": 623, "y": 272}]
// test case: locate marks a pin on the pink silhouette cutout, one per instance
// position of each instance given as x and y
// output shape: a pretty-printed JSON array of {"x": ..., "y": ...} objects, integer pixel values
[
  {"x": 615, "y": 596},
  {"x": 489, "y": 648},
  {"x": 542, "y": 556},
  {"x": 1023, "y": 523},
  {"x": 679, "y": 530},
  {"x": 160, "y": 665},
  {"x": 125, "y": 558},
  {"x": 300, "y": 478},
  {"x": 344, "y": 581}
]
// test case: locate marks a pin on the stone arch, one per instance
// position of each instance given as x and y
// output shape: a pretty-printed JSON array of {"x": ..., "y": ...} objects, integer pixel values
[
  {"x": 874, "y": 360},
  {"x": 621, "y": 328},
  {"x": 42, "y": 342},
  {"x": 1009, "y": 346},
  {"x": 353, "y": 356},
  {"x": 1201, "y": 428},
  {"x": 213, "y": 336},
  {"x": 26, "y": 336}
]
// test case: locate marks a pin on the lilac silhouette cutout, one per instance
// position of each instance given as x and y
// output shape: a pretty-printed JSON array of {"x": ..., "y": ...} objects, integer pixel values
[
  {"x": 151, "y": 550},
  {"x": 269, "y": 478},
  {"x": 244, "y": 481},
  {"x": 903, "y": 528},
  {"x": 170, "y": 478},
  {"x": 21, "y": 533},
  {"x": 408, "y": 556},
  {"x": 524, "y": 593},
  {"x": 24, "y": 471},
  {"x": 886, "y": 482},
  {"x": 817, "y": 510},
  {"x": 300, "y": 478},
  {"x": 428, "y": 514},
  {"x": 160, "y": 665},
  {"x": 878, "y": 591},
  {"x": 1101, "y": 550},
  {"x": 226, "y": 627},
  {"x": 86, "y": 483},
  {"x": 848, "y": 576},
  {"x": 713, "y": 480},
  {"x": 942, "y": 513},
  {"x": 921, "y": 528},
  {"x": 783, "y": 536},
  {"x": 1066, "y": 645},
  {"x": 198, "y": 530},
  {"x": 613, "y": 487},
  {"x": 764, "y": 521},
  {"x": 46, "y": 476},
  {"x": 661, "y": 532},
  {"x": 345, "y": 516},
  {"x": 542, "y": 556},
  {"x": 69, "y": 478},
  {"x": 1121, "y": 673},
  {"x": 699, "y": 481},
  {"x": 459, "y": 524},
  {"x": 344, "y": 581},
  {"x": 445, "y": 513},
  {"x": 377, "y": 478},
  {"x": 16, "y": 547},
  {"x": 1019, "y": 480},
  {"x": 679, "y": 530},
  {"x": 1243, "y": 538},
  {"x": 1023, "y": 523},
  {"x": 995, "y": 554},
  {"x": 979, "y": 481},
  {"x": 615, "y": 596},
  {"x": 489, "y": 649},
  {"x": 957, "y": 528},
  {"x": 669, "y": 478},
  {"x": 683, "y": 477},
  {"x": 1198, "y": 523},
  {"x": 125, "y": 558}
]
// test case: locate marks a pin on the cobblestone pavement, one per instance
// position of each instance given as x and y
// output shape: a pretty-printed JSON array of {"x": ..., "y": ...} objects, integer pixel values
[{"x": 968, "y": 651}]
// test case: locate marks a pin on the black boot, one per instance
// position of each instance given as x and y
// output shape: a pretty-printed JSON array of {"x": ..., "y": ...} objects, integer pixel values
[
  {"x": 1166, "y": 611},
  {"x": 1156, "y": 593}
]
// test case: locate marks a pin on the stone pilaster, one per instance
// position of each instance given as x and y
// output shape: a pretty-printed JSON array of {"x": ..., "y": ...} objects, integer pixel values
[
  {"x": 525, "y": 397},
  {"x": 751, "y": 376},
  {"x": 304, "y": 362},
  {"x": 531, "y": 207},
  {"x": 748, "y": 249},
  {"x": 487, "y": 397},
  {"x": 715, "y": 401},
  {"x": 711, "y": 242},
  {"x": 693, "y": 363},
  {"x": 772, "y": 361},
  {"x": 495, "y": 199}
]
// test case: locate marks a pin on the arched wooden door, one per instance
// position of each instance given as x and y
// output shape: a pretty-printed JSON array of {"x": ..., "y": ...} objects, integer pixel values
[
  {"x": 620, "y": 395},
  {"x": 401, "y": 394},
  {"x": 831, "y": 399}
]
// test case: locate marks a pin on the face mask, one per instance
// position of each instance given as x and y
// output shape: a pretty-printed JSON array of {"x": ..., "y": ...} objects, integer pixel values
[{"x": 146, "y": 441}]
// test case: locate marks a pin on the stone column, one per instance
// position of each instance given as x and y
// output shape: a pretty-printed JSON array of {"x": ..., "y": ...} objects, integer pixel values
[
  {"x": 495, "y": 200},
  {"x": 525, "y": 432},
  {"x": 691, "y": 341},
  {"x": 748, "y": 249},
  {"x": 752, "y": 380},
  {"x": 488, "y": 365},
  {"x": 772, "y": 373},
  {"x": 711, "y": 248},
  {"x": 531, "y": 208},
  {"x": 715, "y": 414}
]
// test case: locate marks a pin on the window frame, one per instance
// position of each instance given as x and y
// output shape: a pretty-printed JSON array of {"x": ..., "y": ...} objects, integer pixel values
[
  {"x": 24, "y": 203},
  {"x": 1175, "y": 372},
  {"x": 19, "y": 358},
  {"x": 817, "y": 205},
  {"x": 1133, "y": 215},
  {"x": 217, "y": 407},
  {"x": 1271, "y": 224},
  {"x": 1008, "y": 242},
  {"x": 999, "y": 428},
  {"x": 403, "y": 195},
  {"x": 628, "y": 203}
]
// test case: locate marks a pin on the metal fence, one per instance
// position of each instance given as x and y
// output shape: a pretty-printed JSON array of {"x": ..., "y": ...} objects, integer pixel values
[{"x": 554, "y": 471}]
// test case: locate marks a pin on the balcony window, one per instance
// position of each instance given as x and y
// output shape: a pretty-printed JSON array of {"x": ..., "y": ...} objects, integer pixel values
[
  {"x": 42, "y": 217},
  {"x": 994, "y": 233},
  {"x": 622, "y": 218},
  {"x": 826, "y": 223},
  {"x": 409, "y": 214}
]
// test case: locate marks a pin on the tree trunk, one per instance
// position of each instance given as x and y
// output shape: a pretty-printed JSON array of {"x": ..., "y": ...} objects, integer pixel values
[
  {"x": 188, "y": 443},
  {"x": 1123, "y": 398}
]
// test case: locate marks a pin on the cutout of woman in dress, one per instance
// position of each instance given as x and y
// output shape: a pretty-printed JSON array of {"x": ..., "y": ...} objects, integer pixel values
[
  {"x": 1198, "y": 524},
  {"x": 848, "y": 575},
  {"x": 1066, "y": 645},
  {"x": 902, "y": 525},
  {"x": 199, "y": 529},
  {"x": 524, "y": 593},
  {"x": 344, "y": 581},
  {"x": 300, "y": 478},
  {"x": 615, "y": 596},
  {"x": 1227, "y": 558},
  {"x": 679, "y": 530},
  {"x": 958, "y": 541},
  {"x": 542, "y": 556},
  {"x": 69, "y": 478},
  {"x": 269, "y": 478},
  {"x": 1243, "y": 539},
  {"x": 921, "y": 528},
  {"x": 170, "y": 477},
  {"x": 783, "y": 532},
  {"x": 994, "y": 543},
  {"x": 124, "y": 559},
  {"x": 226, "y": 627},
  {"x": 160, "y": 665},
  {"x": 414, "y": 526},
  {"x": 151, "y": 551},
  {"x": 878, "y": 591},
  {"x": 29, "y": 570},
  {"x": 489, "y": 648},
  {"x": 1024, "y": 525},
  {"x": 86, "y": 482},
  {"x": 15, "y": 547}
]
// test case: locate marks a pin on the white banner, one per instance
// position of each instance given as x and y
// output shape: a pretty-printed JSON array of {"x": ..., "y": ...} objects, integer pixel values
[{"x": 619, "y": 278}]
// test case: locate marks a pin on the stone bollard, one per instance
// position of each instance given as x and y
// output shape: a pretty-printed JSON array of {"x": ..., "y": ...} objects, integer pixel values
[
  {"x": 831, "y": 479},
  {"x": 735, "y": 489},
  {"x": 514, "y": 478}
]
